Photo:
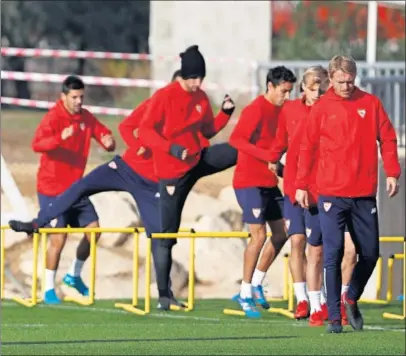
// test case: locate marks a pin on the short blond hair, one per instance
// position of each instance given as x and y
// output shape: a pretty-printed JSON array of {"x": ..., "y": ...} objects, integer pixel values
[
  {"x": 315, "y": 75},
  {"x": 343, "y": 63}
]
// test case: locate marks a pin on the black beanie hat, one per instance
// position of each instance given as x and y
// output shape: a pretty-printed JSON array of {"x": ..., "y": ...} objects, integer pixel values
[{"x": 192, "y": 63}]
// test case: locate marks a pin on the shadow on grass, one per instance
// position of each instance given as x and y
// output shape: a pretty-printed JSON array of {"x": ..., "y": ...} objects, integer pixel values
[{"x": 59, "y": 342}]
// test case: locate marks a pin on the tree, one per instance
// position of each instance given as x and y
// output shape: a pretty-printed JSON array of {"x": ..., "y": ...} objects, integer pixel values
[
  {"x": 323, "y": 29},
  {"x": 115, "y": 25},
  {"x": 22, "y": 25}
]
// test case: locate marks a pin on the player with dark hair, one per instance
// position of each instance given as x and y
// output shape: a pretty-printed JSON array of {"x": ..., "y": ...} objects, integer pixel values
[
  {"x": 132, "y": 172},
  {"x": 63, "y": 140},
  {"x": 256, "y": 186},
  {"x": 177, "y": 126}
]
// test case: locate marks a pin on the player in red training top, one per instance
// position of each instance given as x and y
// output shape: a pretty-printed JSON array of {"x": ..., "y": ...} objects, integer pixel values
[
  {"x": 177, "y": 126},
  {"x": 256, "y": 186},
  {"x": 133, "y": 172},
  {"x": 303, "y": 225},
  {"x": 63, "y": 140},
  {"x": 343, "y": 129}
]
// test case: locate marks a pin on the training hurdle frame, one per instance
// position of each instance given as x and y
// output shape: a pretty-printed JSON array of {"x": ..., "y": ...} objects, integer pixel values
[
  {"x": 183, "y": 233},
  {"x": 43, "y": 232},
  {"x": 393, "y": 258},
  {"x": 133, "y": 307},
  {"x": 379, "y": 268},
  {"x": 244, "y": 235}
]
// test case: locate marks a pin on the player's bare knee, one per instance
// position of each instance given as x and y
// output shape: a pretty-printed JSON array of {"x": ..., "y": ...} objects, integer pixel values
[
  {"x": 315, "y": 255},
  {"x": 258, "y": 235},
  {"x": 57, "y": 242},
  {"x": 298, "y": 243}
]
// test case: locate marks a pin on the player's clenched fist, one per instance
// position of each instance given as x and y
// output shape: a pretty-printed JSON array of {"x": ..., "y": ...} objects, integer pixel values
[
  {"x": 67, "y": 132},
  {"x": 108, "y": 142},
  {"x": 228, "y": 105}
]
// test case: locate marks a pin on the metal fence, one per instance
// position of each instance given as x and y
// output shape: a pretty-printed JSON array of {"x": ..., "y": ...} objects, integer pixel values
[
  {"x": 391, "y": 91},
  {"x": 384, "y": 79}
]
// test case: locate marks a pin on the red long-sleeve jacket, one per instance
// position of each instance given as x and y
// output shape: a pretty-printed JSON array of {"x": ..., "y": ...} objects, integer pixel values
[
  {"x": 345, "y": 134},
  {"x": 252, "y": 137},
  {"x": 63, "y": 162},
  {"x": 174, "y": 116},
  {"x": 288, "y": 139},
  {"x": 140, "y": 163}
]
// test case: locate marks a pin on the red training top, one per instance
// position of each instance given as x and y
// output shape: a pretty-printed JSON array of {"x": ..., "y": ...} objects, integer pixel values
[
  {"x": 344, "y": 132},
  {"x": 140, "y": 163},
  {"x": 63, "y": 162},
  {"x": 252, "y": 137},
  {"x": 175, "y": 116},
  {"x": 288, "y": 138}
]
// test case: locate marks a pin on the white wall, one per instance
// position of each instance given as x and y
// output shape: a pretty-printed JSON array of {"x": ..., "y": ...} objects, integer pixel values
[{"x": 232, "y": 29}]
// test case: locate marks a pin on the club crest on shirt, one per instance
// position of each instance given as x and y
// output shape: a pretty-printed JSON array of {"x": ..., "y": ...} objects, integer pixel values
[
  {"x": 82, "y": 126},
  {"x": 327, "y": 206},
  {"x": 170, "y": 189},
  {"x": 199, "y": 108},
  {"x": 256, "y": 213},
  {"x": 113, "y": 165},
  {"x": 361, "y": 112}
]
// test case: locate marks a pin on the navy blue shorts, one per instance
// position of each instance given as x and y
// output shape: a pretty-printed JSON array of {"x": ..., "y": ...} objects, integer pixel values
[
  {"x": 80, "y": 214},
  {"x": 301, "y": 221},
  {"x": 260, "y": 205}
]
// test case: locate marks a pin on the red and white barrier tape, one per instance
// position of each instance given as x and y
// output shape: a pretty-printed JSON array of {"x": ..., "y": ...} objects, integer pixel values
[
  {"x": 90, "y": 80},
  {"x": 40, "y": 104},
  {"x": 107, "y": 81},
  {"x": 48, "y": 104},
  {"x": 56, "y": 53}
]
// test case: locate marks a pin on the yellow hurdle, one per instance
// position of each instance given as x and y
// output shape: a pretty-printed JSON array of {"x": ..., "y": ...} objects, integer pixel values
[
  {"x": 3, "y": 259},
  {"x": 403, "y": 315},
  {"x": 133, "y": 307},
  {"x": 93, "y": 231},
  {"x": 379, "y": 267}
]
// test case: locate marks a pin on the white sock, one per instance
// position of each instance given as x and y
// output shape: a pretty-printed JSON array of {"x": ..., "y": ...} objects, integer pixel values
[
  {"x": 300, "y": 291},
  {"x": 323, "y": 299},
  {"x": 245, "y": 290},
  {"x": 76, "y": 267},
  {"x": 314, "y": 297},
  {"x": 344, "y": 289},
  {"x": 49, "y": 279},
  {"x": 258, "y": 278}
]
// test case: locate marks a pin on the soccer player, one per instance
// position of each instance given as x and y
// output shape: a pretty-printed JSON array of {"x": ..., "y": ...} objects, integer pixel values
[
  {"x": 256, "y": 186},
  {"x": 303, "y": 224},
  {"x": 177, "y": 126},
  {"x": 63, "y": 140},
  {"x": 132, "y": 172},
  {"x": 343, "y": 129}
]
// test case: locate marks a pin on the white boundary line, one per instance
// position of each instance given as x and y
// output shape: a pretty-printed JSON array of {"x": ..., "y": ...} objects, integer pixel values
[{"x": 172, "y": 316}]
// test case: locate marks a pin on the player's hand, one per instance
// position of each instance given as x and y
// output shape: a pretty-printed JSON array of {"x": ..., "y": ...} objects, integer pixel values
[
  {"x": 141, "y": 151},
  {"x": 302, "y": 197},
  {"x": 392, "y": 186},
  {"x": 67, "y": 132},
  {"x": 272, "y": 167},
  {"x": 135, "y": 133},
  {"x": 108, "y": 142},
  {"x": 228, "y": 105},
  {"x": 178, "y": 151}
]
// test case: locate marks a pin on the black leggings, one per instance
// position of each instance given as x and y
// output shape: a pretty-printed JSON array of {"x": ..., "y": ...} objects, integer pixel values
[{"x": 173, "y": 194}]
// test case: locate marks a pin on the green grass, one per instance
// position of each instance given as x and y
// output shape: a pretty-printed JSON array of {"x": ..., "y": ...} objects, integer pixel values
[{"x": 103, "y": 330}]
